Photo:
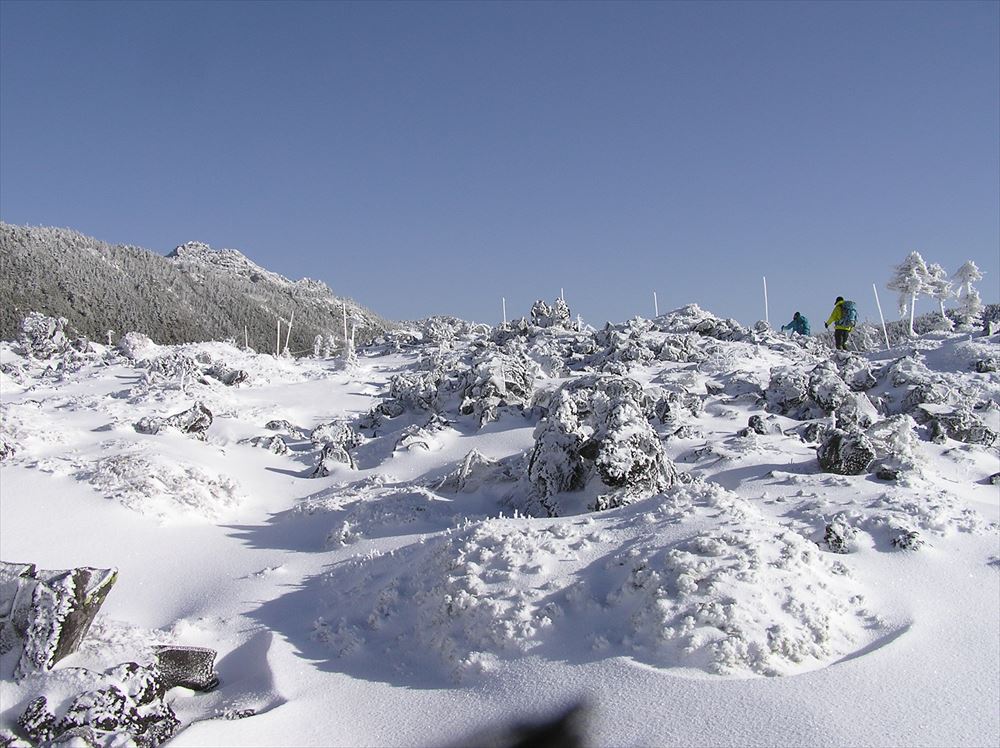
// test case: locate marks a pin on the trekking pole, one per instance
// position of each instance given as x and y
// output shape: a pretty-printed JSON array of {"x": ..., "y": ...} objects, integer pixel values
[{"x": 881, "y": 316}]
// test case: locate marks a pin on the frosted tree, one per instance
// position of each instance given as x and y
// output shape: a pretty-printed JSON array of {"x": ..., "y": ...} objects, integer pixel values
[
  {"x": 911, "y": 278},
  {"x": 940, "y": 287},
  {"x": 317, "y": 346},
  {"x": 968, "y": 297}
]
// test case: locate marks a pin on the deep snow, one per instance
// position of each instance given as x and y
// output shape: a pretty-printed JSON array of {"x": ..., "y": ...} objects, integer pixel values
[{"x": 421, "y": 595}]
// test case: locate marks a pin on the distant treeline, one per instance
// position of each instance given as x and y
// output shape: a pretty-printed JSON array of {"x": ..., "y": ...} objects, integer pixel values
[{"x": 194, "y": 294}]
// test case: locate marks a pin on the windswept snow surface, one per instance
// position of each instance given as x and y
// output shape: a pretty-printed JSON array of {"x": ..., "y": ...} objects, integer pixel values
[{"x": 429, "y": 565}]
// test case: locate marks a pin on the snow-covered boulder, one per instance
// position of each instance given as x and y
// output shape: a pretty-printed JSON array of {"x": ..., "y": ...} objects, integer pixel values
[
  {"x": 136, "y": 347},
  {"x": 959, "y": 424},
  {"x": 846, "y": 453},
  {"x": 820, "y": 392},
  {"x": 228, "y": 376},
  {"x": 122, "y": 706},
  {"x": 274, "y": 444},
  {"x": 194, "y": 421},
  {"x": 330, "y": 455}
]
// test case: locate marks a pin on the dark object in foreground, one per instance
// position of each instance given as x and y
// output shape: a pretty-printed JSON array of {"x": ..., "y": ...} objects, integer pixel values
[
  {"x": 189, "y": 667},
  {"x": 564, "y": 730}
]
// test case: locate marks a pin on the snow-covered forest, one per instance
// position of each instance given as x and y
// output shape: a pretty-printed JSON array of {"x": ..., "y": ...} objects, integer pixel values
[
  {"x": 194, "y": 294},
  {"x": 676, "y": 531}
]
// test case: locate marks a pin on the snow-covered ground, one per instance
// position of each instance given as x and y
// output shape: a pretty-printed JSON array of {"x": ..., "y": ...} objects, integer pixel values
[{"x": 405, "y": 549}]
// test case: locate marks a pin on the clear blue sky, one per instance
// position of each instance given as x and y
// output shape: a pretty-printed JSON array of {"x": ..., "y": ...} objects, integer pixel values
[{"x": 428, "y": 158}]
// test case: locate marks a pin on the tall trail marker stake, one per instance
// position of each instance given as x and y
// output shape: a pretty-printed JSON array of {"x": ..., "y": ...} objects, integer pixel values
[
  {"x": 503, "y": 304},
  {"x": 767, "y": 319},
  {"x": 881, "y": 316},
  {"x": 656, "y": 307}
]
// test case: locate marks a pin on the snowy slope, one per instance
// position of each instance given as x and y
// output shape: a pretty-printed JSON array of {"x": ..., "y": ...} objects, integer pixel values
[{"x": 445, "y": 571}]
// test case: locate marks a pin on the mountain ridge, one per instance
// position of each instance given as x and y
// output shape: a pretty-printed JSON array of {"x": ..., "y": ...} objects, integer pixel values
[{"x": 194, "y": 293}]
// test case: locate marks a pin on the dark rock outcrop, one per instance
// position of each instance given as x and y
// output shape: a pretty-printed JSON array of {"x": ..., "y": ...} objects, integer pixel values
[
  {"x": 48, "y": 612},
  {"x": 846, "y": 453},
  {"x": 194, "y": 421}
]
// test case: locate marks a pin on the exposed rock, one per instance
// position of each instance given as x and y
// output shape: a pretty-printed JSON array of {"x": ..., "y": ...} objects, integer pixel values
[
  {"x": 477, "y": 470},
  {"x": 195, "y": 421},
  {"x": 887, "y": 473},
  {"x": 190, "y": 667},
  {"x": 986, "y": 365},
  {"x": 846, "y": 453},
  {"x": 62, "y": 606},
  {"x": 332, "y": 454},
  {"x": 994, "y": 480},
  {"x": 811, "y": 433},
  {"x": 229, "y": 377},
  {"x": 857, "y": 373},
  {"x": 282, "y": 425},
  {"x": 6, "y": 449}
]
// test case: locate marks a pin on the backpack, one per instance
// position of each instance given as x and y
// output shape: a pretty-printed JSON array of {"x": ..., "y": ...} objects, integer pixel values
[{"x": 848, "y": 314}]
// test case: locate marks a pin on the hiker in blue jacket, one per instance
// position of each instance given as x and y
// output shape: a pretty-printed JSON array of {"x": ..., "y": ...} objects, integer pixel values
[
  {"x": 798, "y": 324},
  {"x": 844, "y": 316}
]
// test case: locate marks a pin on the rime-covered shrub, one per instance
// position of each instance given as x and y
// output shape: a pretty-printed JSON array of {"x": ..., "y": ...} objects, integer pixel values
[
  {"x": 694, "y": 319},
  {"x": 156, "y": 485},
  {"x": 336, "y": 432},
  {"x": 557, "y": 315},
  {"x": 597, "y": 436},
  {"x": 173, "y": 366},
  {"x": 673, "y": 406},
  {"x": 417, "y": 390},
  {"x": 839, "y": 535},
  {"x": 682, "y": 348},
  {"x": 496, "y": 380},
  {"x": 896, "y": 442},
  {"x": 42, "y": 337}
]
